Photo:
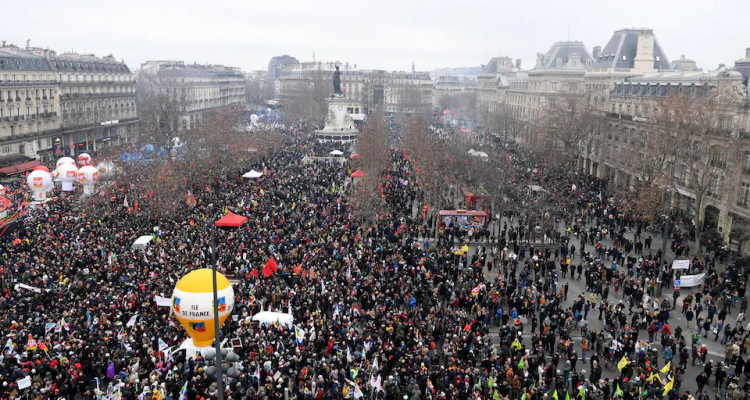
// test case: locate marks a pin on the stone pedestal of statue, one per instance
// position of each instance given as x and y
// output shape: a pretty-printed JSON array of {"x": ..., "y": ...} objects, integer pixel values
[{"x": 339, "y": 126}]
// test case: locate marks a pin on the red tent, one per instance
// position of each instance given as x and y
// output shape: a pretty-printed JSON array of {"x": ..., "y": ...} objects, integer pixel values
[
  {"x": 231, "y": 220},
  {"x": 358, "y": 174}
]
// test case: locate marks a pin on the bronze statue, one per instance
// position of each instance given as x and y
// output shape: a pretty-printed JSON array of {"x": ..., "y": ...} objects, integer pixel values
[{"x": 337, "y": 81}]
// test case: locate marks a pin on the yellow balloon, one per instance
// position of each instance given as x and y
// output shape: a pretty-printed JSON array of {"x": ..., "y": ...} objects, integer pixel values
[{"x": 192, "y": 304}]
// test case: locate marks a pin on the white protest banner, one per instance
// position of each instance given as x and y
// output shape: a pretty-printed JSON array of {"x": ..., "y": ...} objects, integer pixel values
[
  {"x": 681, "y": 264},
  {"x": 163, "y": 301},
  {"x": 24, "y": 383},
  {"x": 27, "y": 287},
  {"x": 690, "y": 280}
]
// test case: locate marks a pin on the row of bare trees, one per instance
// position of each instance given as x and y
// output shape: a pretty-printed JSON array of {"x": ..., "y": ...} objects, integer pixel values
[
  {"x": 681, "y": 135},
  {"x": 373, "y": 161}
]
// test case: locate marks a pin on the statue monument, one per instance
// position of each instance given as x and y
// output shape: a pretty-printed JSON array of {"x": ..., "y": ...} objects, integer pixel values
[
  {"x": 337, "y": 81},
  {"x": 339, "y": 125}
]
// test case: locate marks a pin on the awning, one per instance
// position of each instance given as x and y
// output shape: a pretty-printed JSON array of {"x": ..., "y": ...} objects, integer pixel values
[
  {"x": 231, "y": 220},
  {"x": 18, "y": 168}
]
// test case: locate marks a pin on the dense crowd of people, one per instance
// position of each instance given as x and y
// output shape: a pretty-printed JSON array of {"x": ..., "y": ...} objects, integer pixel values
[{"x": 385, "y": 313}]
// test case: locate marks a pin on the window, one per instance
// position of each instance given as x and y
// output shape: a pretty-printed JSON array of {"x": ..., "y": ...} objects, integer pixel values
[
  {"x": 743, "y": 195},
  {"x": 745, "y": 163},
  {"x": 715, "y": 189}
]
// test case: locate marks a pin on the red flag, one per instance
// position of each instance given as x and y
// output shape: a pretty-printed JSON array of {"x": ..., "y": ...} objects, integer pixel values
[
  {"x": 270, "y": 268},
  {"x": 254, "y": 273},
  {"x": 297, "y": 269}
]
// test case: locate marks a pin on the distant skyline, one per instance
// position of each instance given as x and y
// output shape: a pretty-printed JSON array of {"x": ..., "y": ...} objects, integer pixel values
[{"x": 388, "y": 34}]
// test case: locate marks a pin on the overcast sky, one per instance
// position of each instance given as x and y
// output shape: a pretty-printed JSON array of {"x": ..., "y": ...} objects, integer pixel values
[{"x": 376, "y": 34}]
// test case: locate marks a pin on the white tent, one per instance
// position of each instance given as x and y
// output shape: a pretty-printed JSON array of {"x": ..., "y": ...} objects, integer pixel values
[
  {"x": 141, "y": 242},
  {"x": 252, "y": 174},
  {"x": 336, "y": 153},
  {"x": 270, "y": 317}
]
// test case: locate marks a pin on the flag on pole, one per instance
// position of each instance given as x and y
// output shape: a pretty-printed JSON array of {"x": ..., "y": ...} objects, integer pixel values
[
  {"x": 31, "y": 343},
  {"x": 349, "y": 357},
  {"x": 622, "y": 363},
  {"x": 183, "y": 392},
  {"x": 618, "y": 391},
  {"x": 8, "y": 347},
  {"x": 336, "y": 311},
  {"x": 64, "y": 324},
  {"x": 666, "y": 368},
  {"x": 668, "y": 386},
  {"x": 299, "y": 335},
  {"x": 132, "y": 320},
  {"x": 521, "y": 364},
  {"x": 358, "y": 392},
  {"x": 49, "y": 326},
  {"x": 162, "y": 345},
  {"x": 256, "y": 374},
  {"x": 322, "y": 288},
  {"x": 270, "y": 267},
  {"x": 58, "y": 328},
  {"x": 554, "y": 395},
  {"x": 191, "y": 200},
  {"x": 476, "y": 290},
  {"x": 375, "y": 365},
  {"x": 125, "y": 203},
  {"x": 43, "y": 347}
]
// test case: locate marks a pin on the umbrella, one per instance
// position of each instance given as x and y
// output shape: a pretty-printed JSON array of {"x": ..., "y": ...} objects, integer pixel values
[
  {"x": 336, "y": 153},
  {"x": 252, "y": 174}
]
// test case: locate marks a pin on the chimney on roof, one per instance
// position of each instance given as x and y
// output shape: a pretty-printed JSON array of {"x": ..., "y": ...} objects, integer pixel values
[
  {"x": 644, "y": 55},
  {"x": 518, "y": 64},
  {"x": 597, "y": 51}
]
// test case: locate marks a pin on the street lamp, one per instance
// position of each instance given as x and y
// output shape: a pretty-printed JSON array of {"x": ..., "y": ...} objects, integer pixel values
[{"x": 217, "y": 329}]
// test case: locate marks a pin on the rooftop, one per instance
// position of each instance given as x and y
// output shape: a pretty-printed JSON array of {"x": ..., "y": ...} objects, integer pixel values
[{"x": 620, "y": 51}]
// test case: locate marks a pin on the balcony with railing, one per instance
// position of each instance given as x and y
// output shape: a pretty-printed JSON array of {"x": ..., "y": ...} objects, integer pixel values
[{"x": 29, "y": 83}]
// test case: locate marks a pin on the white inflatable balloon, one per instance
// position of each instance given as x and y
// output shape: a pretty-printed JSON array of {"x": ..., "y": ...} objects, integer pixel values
[
  {"x": 67, "y": 174},
  {"x": 64, "y": 160},
  {"x": 39, "y": 182},
  {"x": 84, "y": 159},
  {"x": 88, "y": 176}
]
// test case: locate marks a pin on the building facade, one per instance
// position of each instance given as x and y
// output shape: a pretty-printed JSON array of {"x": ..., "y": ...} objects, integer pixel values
[
  {"x": 29, "y": 105},
  {"x": 60, "y": 105},
  {"x": 623, "y": 83},
  {"x": 202, "y": 88},
  {"x": 97, "y": 102},
  {"x": 390, "y": 92},
  {"x": 451, "y": 85}
]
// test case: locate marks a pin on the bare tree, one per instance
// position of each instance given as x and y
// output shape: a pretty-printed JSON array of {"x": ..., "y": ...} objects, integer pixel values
[
  {"x": 160, "y": 107},
  {"x": 701, "y": 156},
  {"x": 373, "y": 160},
  {"x": 571, "y": 124}
]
